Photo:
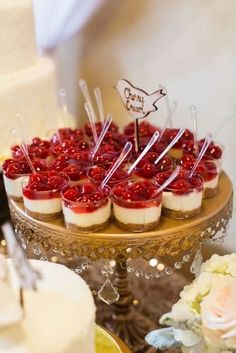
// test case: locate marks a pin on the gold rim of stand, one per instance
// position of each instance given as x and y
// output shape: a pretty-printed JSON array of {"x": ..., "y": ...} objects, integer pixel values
[{"x": 170, "y": 237}]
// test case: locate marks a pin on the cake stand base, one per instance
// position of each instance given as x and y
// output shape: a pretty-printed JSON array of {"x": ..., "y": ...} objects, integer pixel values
[{"x": 134, "y": 315}]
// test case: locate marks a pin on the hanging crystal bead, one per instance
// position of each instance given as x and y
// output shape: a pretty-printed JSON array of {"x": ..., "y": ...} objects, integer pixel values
[
  {"x": 197, "y": 261},
  {"x": 108, "y": 293}
]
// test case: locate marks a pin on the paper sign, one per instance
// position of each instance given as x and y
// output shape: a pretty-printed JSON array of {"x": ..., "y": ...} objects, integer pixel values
[
  {"x": 137, "y": 102},
  {"x": 27, "y": 276}
]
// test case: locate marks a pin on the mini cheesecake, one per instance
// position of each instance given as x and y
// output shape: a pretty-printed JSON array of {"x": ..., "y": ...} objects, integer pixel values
[
  {"x": 74, "y": 169},
  {"x": 13, "y": 173},
  {"x": 86, "y": 207},
  {"x": 207, "y": 169},
  {"x": 177, "y": 150},
  {"x": 97, "y": 173},
  {"x": 183, "y": 197},
  {"x": 146, "y": 169},
  {"x": 137, "y": 205},
  {"x": 41, "y": 195}
]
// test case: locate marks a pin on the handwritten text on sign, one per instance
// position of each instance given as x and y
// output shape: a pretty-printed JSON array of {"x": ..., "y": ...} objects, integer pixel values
[{"x": 137, "y": 102}]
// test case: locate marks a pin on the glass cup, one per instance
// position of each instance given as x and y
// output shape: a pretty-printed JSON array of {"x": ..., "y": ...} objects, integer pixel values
[
  {"x": 142, "y": 214},
  {"x": 42, "y": 195},
  {"x": 183, "y": 198},
  {"x": 86, "y": 207}
]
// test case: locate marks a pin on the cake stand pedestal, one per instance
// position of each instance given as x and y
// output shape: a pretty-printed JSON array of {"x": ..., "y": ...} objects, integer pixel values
[{"x": 53, "y": 242}]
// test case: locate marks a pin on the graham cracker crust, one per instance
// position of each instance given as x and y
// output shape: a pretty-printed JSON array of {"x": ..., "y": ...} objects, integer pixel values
[
  {"x": 16, "y": 198},
  {"x": 43, "y": 216},
  {"x": 93, "y": 228},
  {"x": 209, "y": 192},
  {"x": 179, "y": 214},
  {"x": 137, "y": 228}
]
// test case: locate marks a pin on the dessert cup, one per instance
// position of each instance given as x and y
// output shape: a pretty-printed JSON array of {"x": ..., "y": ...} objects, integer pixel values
[
  {"x": 97, "y": 173},
  {"x": 146, "y": 169},
  {"x": 207, "y": 169},
  {"x": 137, "y": 205},
  {"x": 182, "y": 199},
  {"x": 14, "y": 171},
  {"x": 41, "y": 195},
  {"x": 86, "y": 207}
]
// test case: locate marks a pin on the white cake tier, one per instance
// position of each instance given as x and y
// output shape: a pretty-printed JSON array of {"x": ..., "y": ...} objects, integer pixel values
[
  {"x": 17, "y": 40},
  {"x": 32, "y": 92},
  {"x": 58, "y": 317}
]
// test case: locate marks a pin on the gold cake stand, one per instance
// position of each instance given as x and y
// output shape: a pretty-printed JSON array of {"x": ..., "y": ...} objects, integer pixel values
[{"x": 171, "y": 238}]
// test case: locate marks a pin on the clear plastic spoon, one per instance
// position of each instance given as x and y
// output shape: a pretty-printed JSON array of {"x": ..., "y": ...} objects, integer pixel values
[
  {"x": 153, "y": 139},
  {"x": 205, "y": 145},
  {"x": 99, "y": 101},
  {"x": 177, "y": 137},
  {"x": 106, "y": 126},
  {"x": 170, "y": 179},
  {"x": 167, "y": 105},
  {"x": 193, "y": 114},
  {"x": 127, "y": 148},
  {"x": 23, "y": 148},
  {"x": 85, "y": 91},
  {"x": 169, "y": 117},
  {"x": 90, "y": 114}
]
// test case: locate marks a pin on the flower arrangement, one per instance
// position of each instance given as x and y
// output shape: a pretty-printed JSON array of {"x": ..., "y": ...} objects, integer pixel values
[{"x": 204, "y": 318}]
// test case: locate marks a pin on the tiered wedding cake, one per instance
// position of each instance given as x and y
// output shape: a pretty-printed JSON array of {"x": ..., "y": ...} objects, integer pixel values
[
  {"x": 27, "y": 81},
  {"x": 57, "y": 318}
]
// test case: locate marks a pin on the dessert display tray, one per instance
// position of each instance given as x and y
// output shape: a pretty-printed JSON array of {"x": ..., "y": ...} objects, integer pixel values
[{"x": 169, "y": 238}]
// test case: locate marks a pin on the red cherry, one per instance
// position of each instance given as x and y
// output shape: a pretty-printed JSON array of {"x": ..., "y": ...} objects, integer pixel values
[
  {"x": 137, "y": 188},
  {"x": 128, "y": 196},
  {"x": 87, "y": 188},
  {"x": 8, "y": 162},
  {"x": 148, "y": 170},
  {"x": 180, "y": 186},
  {"x": 188, "y": 158},
  {"x": 83, "y": 146},
  {"x": 202, "y": 170},
  {"x": 13, "y": 169},
  {"x": 36, "y": 178},
  {"x": 71, "y": 194},
  {"x": 196, "y": 182},
  {"x": 56, "y": 182},
  {"x": 36, "y": 140},
  {"x": 215, "y": 152},
  {"x": 97, "y": 171}
]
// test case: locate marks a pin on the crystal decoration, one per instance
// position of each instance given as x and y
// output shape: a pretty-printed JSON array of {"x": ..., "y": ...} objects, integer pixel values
[
  {"x": 108, "y": 293},
  {"x": 186, "y": 258},
  {"x": 78, "y": 270},
  {"x": 107, "y": 270},
  {"x": 178, "y": 265},
  {"x": 197, "y": 261},
  {"x": 23, "y": 243},
  {"x": 36, "y": 249},
  {"x": 43, "y": 258},
  {"x": 86, "y": 266},
  {"x": 130, "y": 269},
  {"x": 168, "y": 270},
  {"x": 157, "y": 274},
  {"x": 138, "y": 273}
]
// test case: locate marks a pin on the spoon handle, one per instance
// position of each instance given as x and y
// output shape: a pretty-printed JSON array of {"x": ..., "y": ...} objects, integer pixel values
[{"x": 127, "y": 148}]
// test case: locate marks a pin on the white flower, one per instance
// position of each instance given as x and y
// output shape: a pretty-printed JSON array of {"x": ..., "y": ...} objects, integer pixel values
[
  {"x": 221, "y": 264},
  {"x": 218, "y": 312}
]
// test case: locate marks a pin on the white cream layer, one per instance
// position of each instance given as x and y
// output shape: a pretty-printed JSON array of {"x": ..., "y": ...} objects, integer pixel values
[
  {"x": 137, "y": 215},
  {"x": 212, "y": 184},
  {"x": 43, "y": 206},
  {"x": 13, "y": 186},
  {"x": 99, "y": 216},
  {"x": 182, "y": 203}
]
